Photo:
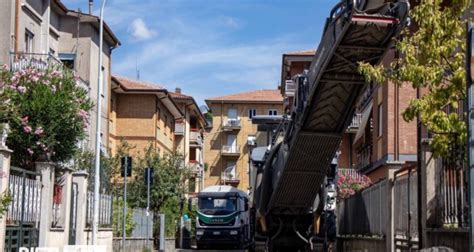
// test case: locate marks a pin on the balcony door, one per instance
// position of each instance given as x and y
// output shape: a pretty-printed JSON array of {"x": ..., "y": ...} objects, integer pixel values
[
  {"x": 232, "y": 143},
  {"x": 232, "y": 113},
  {"x": 230, "y": 172}
]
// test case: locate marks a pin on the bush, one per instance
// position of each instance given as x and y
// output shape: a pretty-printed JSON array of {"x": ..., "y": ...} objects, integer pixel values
[{"x": 47, "y": 112}]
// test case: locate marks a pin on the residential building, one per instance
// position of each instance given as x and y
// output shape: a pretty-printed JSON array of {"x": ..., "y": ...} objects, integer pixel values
[
  {"x": 226, "y": 149},
  {"x": 189, "y": 137},
  {"x": 142, "y": 113},
  {"x": 42, "y": 33}
]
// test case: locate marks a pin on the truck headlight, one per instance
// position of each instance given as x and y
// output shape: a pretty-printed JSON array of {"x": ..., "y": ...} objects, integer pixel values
[
  {"x": 199, "y": 232},
  {"x": 234, "y": 232}
]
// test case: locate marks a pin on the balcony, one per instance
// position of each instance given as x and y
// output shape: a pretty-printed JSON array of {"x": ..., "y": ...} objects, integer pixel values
[
  {"x": 179, "y": 128},
  {"x": 22, "y": 61},
  {"x": 230, "y": 177},
  {"x": 231, "y": 124},
  {"x": 355, "y": 124},
  {"x": 290, "y": 88},
  {"x": 364, "y": 157},
  {"x": 195, "y": 167},
  {"x": 230, "y": 150},
  {"x": 195, "y": 138}
]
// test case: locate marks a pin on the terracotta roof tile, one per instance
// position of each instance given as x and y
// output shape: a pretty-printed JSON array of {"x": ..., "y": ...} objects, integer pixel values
[
  {"x": 309, "y": 52},
  {"x": 263, "y": 96},
  {"x": 180, "y": 96},
  {"x": 127, "y": 83}
]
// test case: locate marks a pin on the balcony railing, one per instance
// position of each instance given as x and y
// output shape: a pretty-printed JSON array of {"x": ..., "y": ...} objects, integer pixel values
[
  {"x": 290, "y": 88},
  {"x": 356, "y": 121},
  {"x": 21, "y": 61},
  {"x": 179, "y": 128},
  {"x": 230, "y": 150},
  {"x": 195, "y": 167},
  {"x": 195, "y": 138},
  {"x": 230, "y": 177},
  {"x": 231, "y": 123},
  {"x": 364, "y": 157}
]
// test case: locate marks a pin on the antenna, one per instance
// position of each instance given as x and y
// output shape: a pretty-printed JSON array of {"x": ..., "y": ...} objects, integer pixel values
[{"x": 136, "y": 69}]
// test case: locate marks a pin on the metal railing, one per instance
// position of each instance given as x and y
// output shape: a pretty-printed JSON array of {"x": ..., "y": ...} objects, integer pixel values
[
  {"x": 230, "y": 176},
  {"x": 143, "y": 224},
  {"x": 356, "y": 120},
  {"x": 21, "y": 61},
  {"x": 231, "y": 149},
  {"x": 364, "y": 157},
  {"x": 105, "y": 209},
  {"x": 365, "y": 213},
  {"x": 195, "y": 137},
  {"x": 231, "y": 123}
]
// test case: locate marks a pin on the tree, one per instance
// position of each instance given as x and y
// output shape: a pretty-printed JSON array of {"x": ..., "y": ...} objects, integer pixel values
[
  {"x": 168, "y": 188},
  {"x": 51, "y": 114},
  {"x": 432, "y": 59}
]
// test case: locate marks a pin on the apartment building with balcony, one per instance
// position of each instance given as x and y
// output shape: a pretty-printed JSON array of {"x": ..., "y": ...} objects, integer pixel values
[
  {"x": 45, "y": 32},
  {"x": 189, "y": 137},
  {"x": 226, "y": 141},
  {"x": 377, "y": 139},
  {"x": 142, "y": 113}
]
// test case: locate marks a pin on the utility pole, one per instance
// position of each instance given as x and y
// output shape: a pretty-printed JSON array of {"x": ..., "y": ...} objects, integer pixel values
[
  {"x": 127, "y": 171},
  {"x": 470, "y": 124},
  {"x": 95, "y": 219}
]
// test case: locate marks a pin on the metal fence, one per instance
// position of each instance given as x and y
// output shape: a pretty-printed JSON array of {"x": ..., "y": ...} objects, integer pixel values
[
  {"x": 451, "y": 199},
  {"x": 105, "y": 209},
  {"x": 405, "y": 204},
  {"x": 25, "y": 190},
  {"x": 365, "y": 213},
  {"x": 143, "y": 223}
]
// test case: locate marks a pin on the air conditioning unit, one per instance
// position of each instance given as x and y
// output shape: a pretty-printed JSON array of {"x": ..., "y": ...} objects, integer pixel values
[
  {"x": 290, "y": 88},
  {"x": 251, "y": 140}
]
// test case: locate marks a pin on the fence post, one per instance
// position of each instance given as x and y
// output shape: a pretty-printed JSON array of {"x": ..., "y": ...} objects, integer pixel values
[
  {"x": 162, "y": 233},
  {"x": 46, "y": 169},
  {"x": 4, "y": 173},
  {"x": 80, "y": 178},
  {"x": 390, "y": 239}
]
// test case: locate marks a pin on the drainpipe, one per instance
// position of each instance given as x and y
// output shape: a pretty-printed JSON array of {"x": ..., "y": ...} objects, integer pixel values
[{"x": 17, "y": 26}]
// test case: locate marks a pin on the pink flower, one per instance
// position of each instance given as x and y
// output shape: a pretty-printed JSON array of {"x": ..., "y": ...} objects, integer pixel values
[
  {"x": 27, "y": 129},
  {"x": 34, "y": 78},
  {"x": 39, "y": 131},
  {"x": 56, "y": 73},
  {"x": 30, "y": 151},
  {"x": 21, "y": 89},
  {"x": 4, "y": 67}
]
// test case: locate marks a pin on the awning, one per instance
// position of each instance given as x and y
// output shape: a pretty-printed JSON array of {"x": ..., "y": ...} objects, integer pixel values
[{"x": 363, "y": 123}]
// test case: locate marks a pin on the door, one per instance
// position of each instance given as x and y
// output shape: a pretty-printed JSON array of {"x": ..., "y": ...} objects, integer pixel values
[
  {"x": 232, "y": 113},
  {"x": 230, "y": 170},
  {"x": 232, "y": 143}
]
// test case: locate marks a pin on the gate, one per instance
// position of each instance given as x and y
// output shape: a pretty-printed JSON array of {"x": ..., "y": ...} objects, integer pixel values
[
  {"x": 23, "y": 214},
  {"x": 405, "y": 209},
  {"x": 73, "y": 218}
]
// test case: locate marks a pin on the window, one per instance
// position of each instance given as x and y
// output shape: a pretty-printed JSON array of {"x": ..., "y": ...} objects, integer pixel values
[
  {"x": 379, "y": 120},
  {"x": 252, "y": 113},
  {"x": 273, "y": 112},
  {"x": 67, "y": 59},
  {"x": 232, "y": 113},
  {"x": 29, "y": 41}
]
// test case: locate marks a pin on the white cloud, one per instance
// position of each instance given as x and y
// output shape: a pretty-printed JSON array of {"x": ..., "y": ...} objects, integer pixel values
[
  {"x": 231, "y": 22},
  {"x": 140, "y": 31}
]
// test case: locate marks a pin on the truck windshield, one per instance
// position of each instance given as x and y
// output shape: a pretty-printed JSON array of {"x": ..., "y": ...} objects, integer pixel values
[{"x": 222, "y": 206}]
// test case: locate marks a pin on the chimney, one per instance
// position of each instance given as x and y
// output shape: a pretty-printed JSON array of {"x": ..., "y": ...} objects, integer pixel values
[
  {"x": 91, "y": 3},
  {"x": 177, "y": 90}
]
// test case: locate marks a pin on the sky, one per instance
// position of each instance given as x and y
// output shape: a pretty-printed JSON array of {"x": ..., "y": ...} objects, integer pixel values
[{"x": 210, "y": 48}]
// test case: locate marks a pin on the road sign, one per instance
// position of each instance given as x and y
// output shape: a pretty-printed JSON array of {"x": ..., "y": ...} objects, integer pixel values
[
  {"x": 149, "y": 175},
  {"x": 126, "y": 163}
]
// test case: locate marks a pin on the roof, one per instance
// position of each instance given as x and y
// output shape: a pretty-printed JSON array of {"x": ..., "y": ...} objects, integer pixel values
[
  {"x": 257, "y": 96},
  {"x": 136, "y": 85},
  {"x": 179, "y": 96},
  {"x": 309, "y": 52},
  {"x": 95, "y": 21},
  {"x": 222, "y": 189}
]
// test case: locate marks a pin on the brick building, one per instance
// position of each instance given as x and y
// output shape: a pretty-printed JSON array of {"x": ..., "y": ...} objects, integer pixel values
[
  {"x": 142, "y": 113},
  {"x": 226, "y": 149},
  {"x": 189, "y": 140}
]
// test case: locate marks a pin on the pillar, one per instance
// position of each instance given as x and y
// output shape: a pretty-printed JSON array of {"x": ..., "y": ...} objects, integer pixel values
[
  {"x": 46, "y": 170},
  {"x": 80, "y": 178},
  {"x": 5, "y": 154}
]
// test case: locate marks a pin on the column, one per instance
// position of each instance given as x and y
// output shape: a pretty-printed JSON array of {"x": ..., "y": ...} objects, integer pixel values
[
  {"x": 5, "y": 154},
  {"x": 46, "y": 170},
  {"x": 80, "y": 178}
]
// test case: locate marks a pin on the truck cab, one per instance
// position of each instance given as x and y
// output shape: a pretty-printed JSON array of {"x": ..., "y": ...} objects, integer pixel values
[{"x": 222, "y": 218}]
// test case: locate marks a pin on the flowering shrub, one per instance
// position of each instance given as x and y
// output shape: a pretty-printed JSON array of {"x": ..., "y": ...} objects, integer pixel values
[
  {"x": 349, "y": 184},
  {"x": 50, "y": 114}
]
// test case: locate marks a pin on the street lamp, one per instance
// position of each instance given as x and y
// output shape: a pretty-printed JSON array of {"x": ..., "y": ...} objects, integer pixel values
[{"x": 95, "y": 218}]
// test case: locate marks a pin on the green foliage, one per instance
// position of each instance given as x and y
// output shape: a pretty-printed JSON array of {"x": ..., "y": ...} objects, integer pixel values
[
  {"x": 47, "y": 114},
  {"x": 167, "y": 190},
  {"x": 117, "y": 219},
  {"x": 5, "y": 200},
  {"x": 433, "y": 59}
]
